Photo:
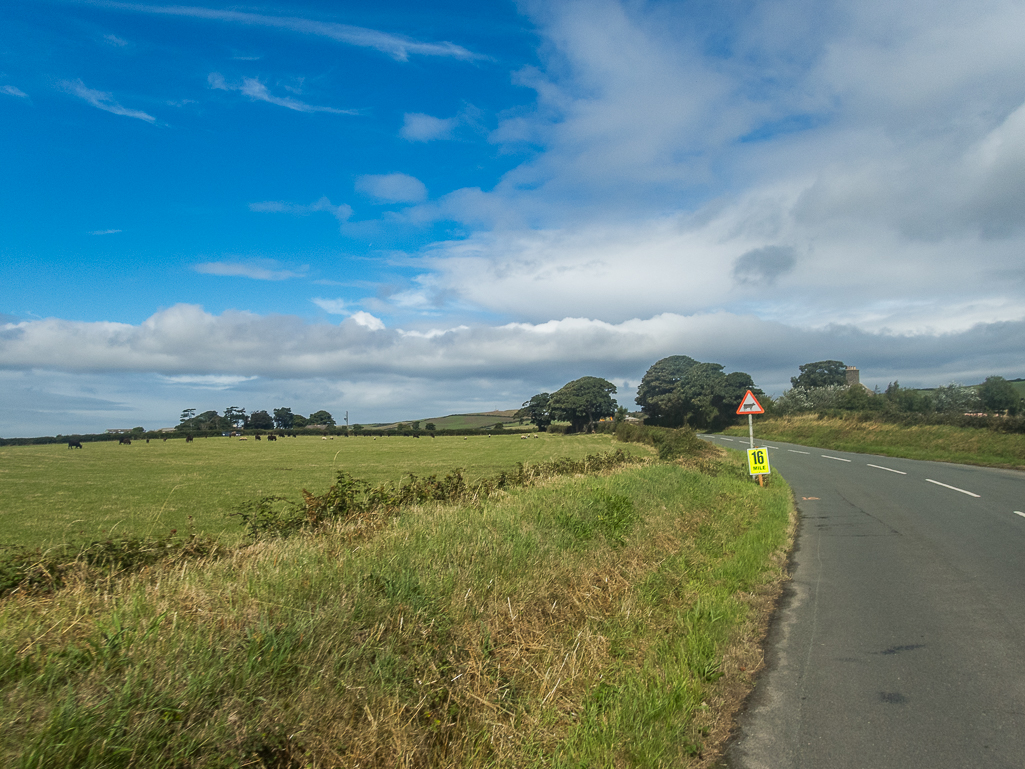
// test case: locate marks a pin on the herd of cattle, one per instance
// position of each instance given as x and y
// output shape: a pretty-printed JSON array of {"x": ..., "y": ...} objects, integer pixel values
[{"x": 126, "y": 441}]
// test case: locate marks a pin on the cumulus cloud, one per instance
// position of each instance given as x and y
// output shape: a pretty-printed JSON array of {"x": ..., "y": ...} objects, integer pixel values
[
  {"x": 392, "y": 188},
  {"x": 262, "y": 269},
  {"x": 103, "y": 100},
  {"x": 764, "y": 264},
  {"x": 257, "y": 91},
  {"x": 417, "y": 127}
]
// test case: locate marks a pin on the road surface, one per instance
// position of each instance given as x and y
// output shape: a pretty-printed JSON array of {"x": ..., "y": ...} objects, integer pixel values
[{"x": 900, "y": 641}]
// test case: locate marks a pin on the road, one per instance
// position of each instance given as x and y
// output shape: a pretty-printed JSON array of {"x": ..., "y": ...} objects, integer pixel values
[{"x": 900, "y": 641}]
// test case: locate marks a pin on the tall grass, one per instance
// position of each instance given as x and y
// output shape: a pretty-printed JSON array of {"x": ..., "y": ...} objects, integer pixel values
[
  {"x": 941, "y": 443},
  {"x": 591, "y": 621}
]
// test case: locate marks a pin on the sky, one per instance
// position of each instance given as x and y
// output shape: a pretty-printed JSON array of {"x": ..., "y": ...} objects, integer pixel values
[{"x": 401, "y": 210}]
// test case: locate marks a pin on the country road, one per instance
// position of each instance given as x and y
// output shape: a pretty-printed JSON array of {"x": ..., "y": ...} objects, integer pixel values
[{"x": 900, "y": 641}]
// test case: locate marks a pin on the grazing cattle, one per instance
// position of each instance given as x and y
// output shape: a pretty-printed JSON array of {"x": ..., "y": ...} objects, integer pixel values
[
  {"x": 188, "y": 439},
  {"x": 257, "y": 437},
  {"x": 74, "y": 444},
  {"x": 272, "y": 437},
  {"x": 124, "y": 441}
]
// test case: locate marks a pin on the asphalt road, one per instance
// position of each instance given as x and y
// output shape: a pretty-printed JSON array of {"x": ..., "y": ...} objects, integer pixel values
[{"x": 900, "y": 641}]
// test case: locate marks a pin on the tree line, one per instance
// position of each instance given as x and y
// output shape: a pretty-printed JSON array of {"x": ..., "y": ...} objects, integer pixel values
[
  {"x": 236, "y": 418},
  {"x": 674, "y": 392}
]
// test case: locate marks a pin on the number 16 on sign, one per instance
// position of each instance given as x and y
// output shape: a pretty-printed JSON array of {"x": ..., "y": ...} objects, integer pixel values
[{"x": 758, "y": 461}]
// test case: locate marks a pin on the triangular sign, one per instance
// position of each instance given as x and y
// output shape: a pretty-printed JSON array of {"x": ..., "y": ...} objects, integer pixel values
[{"x": 750, "y": 405}]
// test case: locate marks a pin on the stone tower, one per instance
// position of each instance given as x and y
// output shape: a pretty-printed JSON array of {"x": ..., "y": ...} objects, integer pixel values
[{"x": 853, "y": 376}]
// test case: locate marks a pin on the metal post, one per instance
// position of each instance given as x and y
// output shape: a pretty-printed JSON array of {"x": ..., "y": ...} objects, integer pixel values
[{"x": 751, "y": 429}]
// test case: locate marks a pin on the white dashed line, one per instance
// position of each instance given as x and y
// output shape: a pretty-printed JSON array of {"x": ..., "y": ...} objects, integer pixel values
[
  {"x": 772, "y": 447},
  {"x": 838, "y": 459},
  {"x": 728, "y": 439},
  {"x": 952, "y": 488},
  {"x": 1019, "y": 512},
  {"x": 888, "y": 469},
  {"x": 794, "y": 451}
]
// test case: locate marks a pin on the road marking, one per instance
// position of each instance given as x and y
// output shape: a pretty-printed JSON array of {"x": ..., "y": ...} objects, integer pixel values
[
  {"x": 888, "y": 469},
  {"x": 772, "y": 447},
  {"x": 794, "y": 451},
  {"x": 1019, "y": 512},
  {"x": 728, "y": 439},
  {"x": 952, "y": 488},
  {"x": 838, "y": 459}
]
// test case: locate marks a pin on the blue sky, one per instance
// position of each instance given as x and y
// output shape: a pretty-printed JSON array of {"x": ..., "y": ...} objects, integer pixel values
[{"x": 404, "y": 210}]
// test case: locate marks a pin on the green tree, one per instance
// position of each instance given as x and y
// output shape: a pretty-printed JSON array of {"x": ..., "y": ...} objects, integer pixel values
[
  {"x": 583, "y": 402},
  {"x": 298, "y": 421},
  {"x": 537, "y": 411},
  {"x": 260, "y": 420},
  {"x": 658, "y": 383},
  {"x": 431, "y": 427},
  {"x": 321, "y": 418},
  {"x": 998, "y": 395},
  {"x": 235, "y": 415},
  {"x": 187, "y": 414},
  {"x": 821, "y": 373},
  {"x": 283, "y": 418}
]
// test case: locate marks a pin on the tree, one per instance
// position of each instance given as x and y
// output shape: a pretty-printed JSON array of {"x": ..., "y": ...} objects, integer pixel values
[
  {"x": 235, "y": 415},
  {"x": 321, "y": 418},
  {"x": 822, "y": 373},
  {"x": 998, "y": 395},
  {"x": 261, "y": 420},
  {"x": 583, "y": 402},
  {"x": 187, "y": 414},
  {"x": 954, "y": 398},
  {"x": 283, "y": 418},
  {"x": 431, "y": 427},
  {"x": 659, "y": 382},
  {"x": 298, "y": 420},
  {"x": 537, "y": 411}
]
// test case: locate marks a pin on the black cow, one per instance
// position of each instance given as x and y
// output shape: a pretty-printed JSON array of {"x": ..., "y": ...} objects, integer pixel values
[
  {"x": 257, "y": 437},
  {"x": 124, "y": 441},
  {"x": 74, "y": 444},
  {"x": 188, "y": 439},
  {"x": 272, "y": 437}
]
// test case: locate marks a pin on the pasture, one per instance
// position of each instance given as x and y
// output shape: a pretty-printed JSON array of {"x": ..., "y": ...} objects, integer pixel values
[{"x": 50, "y": 494}]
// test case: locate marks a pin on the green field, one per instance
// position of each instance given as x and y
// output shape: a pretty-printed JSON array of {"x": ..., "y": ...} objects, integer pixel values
[{"x": 51, "y": 494}]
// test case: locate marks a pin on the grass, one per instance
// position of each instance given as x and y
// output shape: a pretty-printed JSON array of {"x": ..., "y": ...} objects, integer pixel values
[
  {"x": 50, "y": 494},
  {"x": 599, "y": 621},
  {"x": 939, "y": 443}
]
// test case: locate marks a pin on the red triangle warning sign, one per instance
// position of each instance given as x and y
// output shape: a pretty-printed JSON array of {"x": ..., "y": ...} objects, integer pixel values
[{"x": 750, "y": 405}]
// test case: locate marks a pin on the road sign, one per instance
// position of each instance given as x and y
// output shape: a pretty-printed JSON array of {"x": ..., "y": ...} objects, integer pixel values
[
  {"x": 750, "y": 405},
  {"x": 758, "y": 461}
]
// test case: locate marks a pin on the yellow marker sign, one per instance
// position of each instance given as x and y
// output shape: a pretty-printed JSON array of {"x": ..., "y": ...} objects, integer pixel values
[{"x": 758, "y": 461}]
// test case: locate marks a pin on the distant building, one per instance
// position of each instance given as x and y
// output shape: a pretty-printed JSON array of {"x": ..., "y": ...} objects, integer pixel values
[{"x": 854, "y": 378}]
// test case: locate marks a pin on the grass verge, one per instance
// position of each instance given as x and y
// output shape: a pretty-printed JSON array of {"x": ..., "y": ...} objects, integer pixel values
[
  {"x": 600, "y": 620},
  {"x": 940, "y": 443}
]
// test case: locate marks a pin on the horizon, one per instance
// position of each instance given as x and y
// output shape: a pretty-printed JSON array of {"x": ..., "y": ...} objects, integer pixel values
[{"x": 436, "y": 207}]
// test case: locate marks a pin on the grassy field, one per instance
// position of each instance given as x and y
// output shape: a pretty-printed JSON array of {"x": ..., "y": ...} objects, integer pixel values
[
  {"x": 51, "y": 494},
  {"x": 934, "y": 442},
  {"x": 606, "y": 620}
]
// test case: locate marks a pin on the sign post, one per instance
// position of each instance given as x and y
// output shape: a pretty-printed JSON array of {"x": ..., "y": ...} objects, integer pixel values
[{"x": 757, "y": 459}]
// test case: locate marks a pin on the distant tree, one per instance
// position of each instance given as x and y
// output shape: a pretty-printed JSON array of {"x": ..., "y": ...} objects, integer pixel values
[
  {"x": 138, "y": 430},
  {"x": 321, "y": 418},
  {"x": 261, "y": 420},
  {"x": 659, "y": 382},
  {"x": 956, "y": 398},
  {"x": 583, "y": 402},
  {"x": 621, "y": 413},
  {"x": 235, "y": 415},
  {"x": 499, "y": 427},
  {"x": 907, "y": 400},
  {"x": 283, "y": 418},
  {"x": 415, "y": 426},
  {"x": 359, "y": 428},
  {"x": 298, "y": 421},
  {"x": 187, "y": 414},
  {"x": 999, "y": 396},
  {"x": 431, "y": 427},
  {"x": 537, "y": 411},
  {"x": 822, "y": 373}
]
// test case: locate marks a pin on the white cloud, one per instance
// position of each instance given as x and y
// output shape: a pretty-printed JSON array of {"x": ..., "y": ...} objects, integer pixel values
[
  {"x": 11, "y": 90},
  {"x": 331, "y": 306},
  {"x": 262, "y": 269},
  {"x": 398, "y": 47},
  {"x": 417, "y": 127},
  {"x": 257, "y": 91},
  {"x": 368, "y": 321},
  {"x": 105, "y": 232},
  {"x": 104, "y": 101},
  {"x": 340, "y": 212},
  {"x": 115, "y": 41},
  {"x": 392, "y": 188}
]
